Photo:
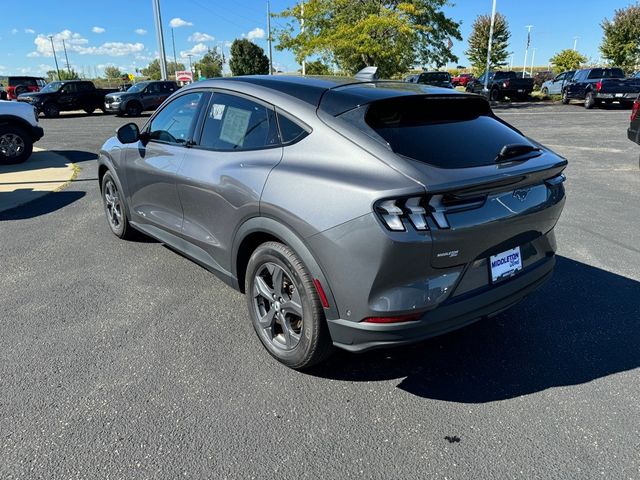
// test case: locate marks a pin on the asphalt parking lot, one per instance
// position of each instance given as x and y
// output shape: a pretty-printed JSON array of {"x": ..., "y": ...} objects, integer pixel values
[{"x": 126, "y": 360}]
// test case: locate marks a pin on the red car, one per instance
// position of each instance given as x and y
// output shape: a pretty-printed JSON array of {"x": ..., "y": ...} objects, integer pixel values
[
  {"x": 18, "y": 85},
  {"x": 462, "y": 79}
]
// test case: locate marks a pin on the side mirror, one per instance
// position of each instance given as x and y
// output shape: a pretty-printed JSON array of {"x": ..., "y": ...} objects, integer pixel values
[{"x": 129, "y": 133}]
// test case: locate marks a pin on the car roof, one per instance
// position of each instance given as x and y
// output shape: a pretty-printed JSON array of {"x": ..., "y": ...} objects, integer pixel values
[{"x": 332, "y": 94}]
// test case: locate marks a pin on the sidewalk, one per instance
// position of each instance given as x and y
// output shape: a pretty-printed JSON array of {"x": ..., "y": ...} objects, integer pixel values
[{"x": 43, "y": 173}]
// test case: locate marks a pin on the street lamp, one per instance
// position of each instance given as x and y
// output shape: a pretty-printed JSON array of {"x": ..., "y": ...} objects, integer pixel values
[
  {"x": 190, "y": 55},
  {"x": 54, "y": 56},
  {"x": 486, "y": 72}
]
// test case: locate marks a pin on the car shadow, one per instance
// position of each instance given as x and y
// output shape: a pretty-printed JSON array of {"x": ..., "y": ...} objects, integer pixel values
[
  {"x": 35, "y": 205},
  {"x": 583, "y": 325}
]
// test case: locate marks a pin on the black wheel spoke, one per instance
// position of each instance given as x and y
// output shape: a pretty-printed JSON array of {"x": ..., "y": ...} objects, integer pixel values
[{"x": 263, "y": 289}]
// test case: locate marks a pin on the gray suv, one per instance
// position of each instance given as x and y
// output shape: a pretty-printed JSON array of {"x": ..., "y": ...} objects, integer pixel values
[
  {"x": 139, "y": 97},
  {"x": 352, "y": 214}
]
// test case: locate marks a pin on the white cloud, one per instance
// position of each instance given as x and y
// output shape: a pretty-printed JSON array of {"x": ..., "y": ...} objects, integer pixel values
[
  {"x": 14, "y": 31},
  {"x": 255, "y": 34},
  {"x": 178, "y": 22},
  {"x": 98, "y": 30},
  {"x": 198, "y": 49},
  {"x": 29, "y": 30},
  {"x": 201, "y": 37},
  {"x": 141, "y": 31},
  {"x": 78, "y": 44}
]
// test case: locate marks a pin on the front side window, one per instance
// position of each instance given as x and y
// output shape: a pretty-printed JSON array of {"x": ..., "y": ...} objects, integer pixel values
[
  {"x": 235, "y": 123},
  {"x": 173, "y": 123}
]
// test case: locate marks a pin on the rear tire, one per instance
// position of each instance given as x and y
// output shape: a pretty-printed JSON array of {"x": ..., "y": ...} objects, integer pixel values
[
  {"x": 565, "y": 97},
  {"x": 284, "y": 307},
  {"x": 20, "y": 89},
  {"x": 545, "y": 91},
  {"x": 51, "y": 110},
  {"x": 89, "y": 111},
  {"x": 494, "y": 95},
  {"x": 15, "y": 145},
  {"x": 589, "y": 101}
]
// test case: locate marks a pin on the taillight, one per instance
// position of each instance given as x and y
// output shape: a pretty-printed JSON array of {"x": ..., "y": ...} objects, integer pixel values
[
  {"x": 398, "y": 319},
  {"x": 506, "y": 84},
  {"x": 599, "y": 86},
  {"x": 635, "y": 111},
  {"x": 395, "y": 212}
]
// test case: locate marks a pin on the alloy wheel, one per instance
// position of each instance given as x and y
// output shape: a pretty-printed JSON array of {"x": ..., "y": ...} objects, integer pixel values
[
  {"x": 113, "y": 205},
  {"x": 278, "y": 306},
  {"x": 11, "y": 145}
]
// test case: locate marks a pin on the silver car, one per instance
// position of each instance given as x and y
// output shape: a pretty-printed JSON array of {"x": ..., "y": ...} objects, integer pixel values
[
  {"x": 554, "y": 86},
  {"x": 352, "y": 214}
]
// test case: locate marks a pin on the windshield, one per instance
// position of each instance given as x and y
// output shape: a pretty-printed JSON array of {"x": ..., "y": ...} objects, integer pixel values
[
  {"x": 138, "y": 87},
  {"x": 52, "y": 87}
]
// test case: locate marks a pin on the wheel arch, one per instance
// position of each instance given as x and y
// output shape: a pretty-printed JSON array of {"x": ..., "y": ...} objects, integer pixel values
[
  {"x": 258, "y": 230},
  {"x": 9, "y": 120}
]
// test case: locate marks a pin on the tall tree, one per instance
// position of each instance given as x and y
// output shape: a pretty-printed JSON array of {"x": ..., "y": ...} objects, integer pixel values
[
  {"x": 567, "y": 59},
  {"x": 392, "y": 35},
  {"x": 479, "y": 42},
  {"x": 247, "y": 58},
  {"x": 153, "y": 72},
  {"x": 112, "y": 72},
  {"x": 317, "y": 67},
  {"x": 621, "y": 42},
  {"x": 210, "y": 65}
]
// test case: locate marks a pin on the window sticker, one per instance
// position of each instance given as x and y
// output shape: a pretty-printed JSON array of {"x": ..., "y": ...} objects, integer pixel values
[
  {"x": 234, "y": 127},
  {"x": 217, "y": 111}
]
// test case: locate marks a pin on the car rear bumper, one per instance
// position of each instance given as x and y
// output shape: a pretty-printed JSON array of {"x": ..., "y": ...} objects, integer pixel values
[
  {"x": 457, "y": 312},
  {"x": 617, "y": 96},
  {"x": 633, "y": 135}
]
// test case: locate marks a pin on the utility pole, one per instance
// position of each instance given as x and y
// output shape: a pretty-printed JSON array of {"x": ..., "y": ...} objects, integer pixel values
[
  {"x": 526, "y": 51},
  {"x": 533, "y": 58},
  {"x": 55, "y": 58},
  {"x": 175, "y": 60},
  {"x": 64, "y": 47},
  {"x": 160, "y": 35},
  {"x": 575, "y": 43},
  {"x": 304, "y": 60},
  {"x": 269, "y": 37},
  {"x": 486, "y": 72}
]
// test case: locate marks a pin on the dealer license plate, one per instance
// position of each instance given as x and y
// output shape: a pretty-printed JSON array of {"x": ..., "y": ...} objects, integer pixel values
[{"x": 505, "y": 264}]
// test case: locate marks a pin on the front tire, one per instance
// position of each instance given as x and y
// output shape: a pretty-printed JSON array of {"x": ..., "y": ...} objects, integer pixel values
[
  {"x": 545, "y": 91},
  {"x": 114, "y": 208},
  {"x": 134, "y": 109},
  {"x": 89, "y": 111},
  {"x": 284, "y": 307},
  {"x": 51, "y": 110},
  {"x": 15, "y": 145}
]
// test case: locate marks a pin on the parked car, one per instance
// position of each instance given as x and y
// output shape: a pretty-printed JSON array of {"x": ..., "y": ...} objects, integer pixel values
[
  {"x": 67, "y": 96},
  {"x": 462, "y": 80},
  {"x": 540, "y": 77},
  {"x": 634, "y": 127},
  {"x": 435, "y": 79},
  {"x": 555, "y": 86},
  {"x": 19, "y": 130},
  {"x": 503, "y": 84},
  {"x": 595, "y": 86},
  {"x": 356, "y": 214},
  {"x": 3, "y": 92},
  {"x": 139, "y": 98},
  {"x": 20, "y": 85},
  {"x": 411, "y": 78}
]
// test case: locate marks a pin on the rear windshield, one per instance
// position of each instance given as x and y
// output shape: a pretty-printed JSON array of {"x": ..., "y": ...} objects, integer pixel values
[
  {"x": 26, "y": 81},
  {"x": 442, "y": 131},
  {"x": 435, "y": 77},
  {"x": 606, "y": 73}
]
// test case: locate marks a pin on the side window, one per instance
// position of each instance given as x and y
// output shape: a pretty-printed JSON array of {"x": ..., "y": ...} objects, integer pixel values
[
  {"x": 153, "y": 88},
  {"x": 173, "y": 123},
  {"x": 168, "y": 88},
  {"x": 70, "y": 88},
  {"x": 234, "y": 123},
  {"x": 290, "y": 131}
]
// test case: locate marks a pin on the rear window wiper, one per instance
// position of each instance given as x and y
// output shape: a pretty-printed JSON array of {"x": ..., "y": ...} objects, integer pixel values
[{"x": 514, "y": 150}]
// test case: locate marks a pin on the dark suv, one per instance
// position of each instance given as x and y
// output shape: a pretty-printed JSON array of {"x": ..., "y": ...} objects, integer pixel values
[
  {"x": 356, "y": 214},
  {"x": 139, "y": 98},
  {"x": 19, "y": 85}
]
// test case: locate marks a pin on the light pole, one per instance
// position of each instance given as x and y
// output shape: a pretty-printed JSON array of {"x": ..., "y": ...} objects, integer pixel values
[
  {"x": 575, "y": 43},
  {"x": 486, "y": 72},
  {"x": 64, "y": 47},
  {"x": 190, "y": 55},
  {"x": 175, "y": 60},
  {"x": 54, "y": 56},
  {"x": 533, "y": 59},
  {"x": 511, "y": 64},
  {"x": 526, "y": 50},
  {"x": 304, "y": 61},
  {"x": 269, "y": 38},
  {"x": 160, "y": 35}
]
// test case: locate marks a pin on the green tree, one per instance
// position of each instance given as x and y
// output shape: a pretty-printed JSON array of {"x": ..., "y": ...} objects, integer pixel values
[
  {"x": 70, "y": 74},
  {"x": 479, "y": 41},
  {"x": 621, "y": 42},
  {"x": 392, "y": 35},
  {"x": 153, "y": 72},
  {"x": 317, "y": 67},
  {"x": 247, "y": 58},
  {"x": 210, "y": 65},
  {"x": 112, "y": 72},
  {"x": 567, "y": 59}
]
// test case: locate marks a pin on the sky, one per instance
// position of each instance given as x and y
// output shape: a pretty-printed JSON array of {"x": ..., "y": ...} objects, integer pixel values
[{"x": 122, "y": 33}]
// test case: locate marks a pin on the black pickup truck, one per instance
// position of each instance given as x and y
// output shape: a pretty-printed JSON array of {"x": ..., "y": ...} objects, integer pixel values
[
  {"x": 595, "y": 86},
  {"x": 503, "y": 84},
  {"x": 66, "y": 96}
]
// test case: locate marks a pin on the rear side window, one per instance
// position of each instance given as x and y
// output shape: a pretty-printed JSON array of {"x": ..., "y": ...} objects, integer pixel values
[
  {"x": 290, "y": 131},
  {"x": 235, "y": 123},
  {"x": 443, "y": 132}
]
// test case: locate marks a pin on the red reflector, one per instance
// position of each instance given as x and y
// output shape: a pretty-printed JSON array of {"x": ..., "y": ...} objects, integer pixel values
[
  {"x": 399, "y": 319},
  {"x": 321, "y": 294},
  {"x": 636, "y": 110}
]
